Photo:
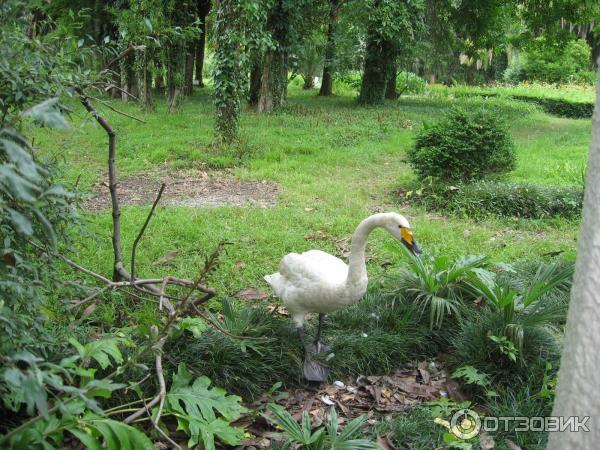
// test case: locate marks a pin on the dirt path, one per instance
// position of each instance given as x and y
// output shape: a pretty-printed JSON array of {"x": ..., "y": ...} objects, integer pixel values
[{"x": 192, "y": 188}]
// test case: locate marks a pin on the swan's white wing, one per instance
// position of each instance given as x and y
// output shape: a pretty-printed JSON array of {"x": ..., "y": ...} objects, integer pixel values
[{"x": 311, "y": 267}]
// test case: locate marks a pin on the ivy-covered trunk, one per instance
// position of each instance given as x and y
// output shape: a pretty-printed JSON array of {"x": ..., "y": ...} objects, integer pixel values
[
  {"x": 327, "y": 81},
  {"x": 229, "y": 72},
  {"x": 378, "y": 54}
]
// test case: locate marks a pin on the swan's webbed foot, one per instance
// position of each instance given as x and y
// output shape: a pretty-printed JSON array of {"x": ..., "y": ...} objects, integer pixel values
[{"x": 315, "y": 370}]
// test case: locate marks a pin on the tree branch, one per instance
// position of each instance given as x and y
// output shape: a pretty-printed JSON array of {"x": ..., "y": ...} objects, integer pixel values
[{"x": 143, "y": 229}]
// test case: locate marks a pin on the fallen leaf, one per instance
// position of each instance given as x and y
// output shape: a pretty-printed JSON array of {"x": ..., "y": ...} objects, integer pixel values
[
  {"x": 88, "y": 311},
  {"x": 239, "y": 265},
  {"x": 385, "y": 443},
  {"x": 278, "y": 309},
  {"x": 308, "y": 209},
  {"x": 511, "y": 445},
  {"x": 486, "y": 442},
  {"x": 252, "y": 294},
  {"x": 165, "y": 260},
  {"x": 454, "y": 391},
  {"x": 9, "y": 259}
]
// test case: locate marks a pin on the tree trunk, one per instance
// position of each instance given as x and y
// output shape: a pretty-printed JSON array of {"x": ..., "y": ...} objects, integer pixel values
[
  {"x": 327, "y": 81},
  {"x": 265, "y": 94},
  {"x": 374, "y": 80},
  {"x": 309, "y": 82},
  {"x": 390, "y": 89},
  {"x": 273, "y": 82},
  {"x": 175, "y": 61},
  {"x": 200, "y": 52},
  {"x": 579, "y": 374},
  {"x": 255, "y": 80},
  {"x": 188, "y": 84},
  {"x": 229, "y": 74},
  {"x": 143, "y": 79}
]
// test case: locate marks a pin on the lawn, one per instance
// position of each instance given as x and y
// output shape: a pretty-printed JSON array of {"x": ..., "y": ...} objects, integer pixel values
[{"x": 335, "y": 163}]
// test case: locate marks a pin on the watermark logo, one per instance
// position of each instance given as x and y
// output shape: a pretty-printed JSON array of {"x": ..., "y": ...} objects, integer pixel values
[{"x": 466, "y": 424}]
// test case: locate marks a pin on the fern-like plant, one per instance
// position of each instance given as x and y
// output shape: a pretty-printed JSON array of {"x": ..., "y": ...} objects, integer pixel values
[
  {"x": 329, "y": 437},
  {"x": 437, "y": 284}
]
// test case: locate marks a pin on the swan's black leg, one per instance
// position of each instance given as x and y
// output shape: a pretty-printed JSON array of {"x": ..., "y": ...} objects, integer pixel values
[
  {"x": 320, "y": 329},
  {"x": 300, "y": 331}
]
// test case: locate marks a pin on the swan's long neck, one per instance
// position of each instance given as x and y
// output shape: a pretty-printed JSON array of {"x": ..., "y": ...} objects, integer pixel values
[{"x": 357, "y": 268}]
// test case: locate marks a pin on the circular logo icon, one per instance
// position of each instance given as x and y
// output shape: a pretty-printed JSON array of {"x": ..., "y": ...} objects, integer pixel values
[{"x": 465, "y": 424}]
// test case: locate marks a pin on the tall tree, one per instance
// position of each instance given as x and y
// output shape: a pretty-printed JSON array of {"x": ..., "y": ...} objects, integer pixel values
[
  {"x": 579, "y": 377},
  {"x": 328, "y": 64},
  {"x": 229, "y": 68},
  {"x": 392, "y": 26},
  {"x": 273, "y": 84},
  {"x": 203, "y": 9}
]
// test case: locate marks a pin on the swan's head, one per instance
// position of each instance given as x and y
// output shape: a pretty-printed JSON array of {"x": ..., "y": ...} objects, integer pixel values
[{"x": 398, "y": 226}]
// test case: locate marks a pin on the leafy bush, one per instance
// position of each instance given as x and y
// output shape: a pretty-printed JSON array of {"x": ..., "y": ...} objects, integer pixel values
[
  {"x": 492, "y": 198},
  {"x": 557, "y": 61},
  {"x": 463, "y": 146},
  {"x": 437, "y": 284},
  {"x": 409, "y": 82},
  {"x": 522, "y": 313}
]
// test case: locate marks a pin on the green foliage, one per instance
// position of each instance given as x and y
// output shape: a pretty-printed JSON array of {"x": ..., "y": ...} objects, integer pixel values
[
  {"x": 470, "y": 375},
  {"x": 437, "y": 284},
  {"x": 523, "y": 306},
  {"x": 202, "y": 412},
  {"x": 463, "y": 146},
  {"x": 561, "y": 108},
  {"x": 328, "y": 437},
  {"x": 521, "y": 401},
  {"x": 415, "y": 429},
  {"x": 558, "y": 62},
  {"x": 29, "y": 381},
  {"x": 492, "y": 198}
]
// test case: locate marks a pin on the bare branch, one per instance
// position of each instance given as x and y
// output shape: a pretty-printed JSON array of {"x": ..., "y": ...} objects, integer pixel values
[
  {"x": 143, "y": 229},
  {"x": 124, "y": 54},
  {"x": 111, "y": 107},
  {"x": 114, "y": 86}
]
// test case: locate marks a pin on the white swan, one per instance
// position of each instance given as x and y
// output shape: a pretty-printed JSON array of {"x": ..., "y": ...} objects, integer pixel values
[{"x": 317, "y": 282}]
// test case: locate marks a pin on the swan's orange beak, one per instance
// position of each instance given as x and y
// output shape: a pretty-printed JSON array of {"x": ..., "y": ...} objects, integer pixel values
[{"x": 409, "y": 241}]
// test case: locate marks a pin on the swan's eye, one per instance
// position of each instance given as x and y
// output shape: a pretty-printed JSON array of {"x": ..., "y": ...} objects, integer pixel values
[{"x": 400, "y": 226}]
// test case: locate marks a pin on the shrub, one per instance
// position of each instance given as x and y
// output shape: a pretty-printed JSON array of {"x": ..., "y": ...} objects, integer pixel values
[
  {"x": 492, "y": 198},
  {"x": 463, "y": 146},
  {"x": 561, "y": 108},
  {"x": 409, "y": 82},
  {"x": 514, "y": 335},
  {"x": 557, "y": 61}
]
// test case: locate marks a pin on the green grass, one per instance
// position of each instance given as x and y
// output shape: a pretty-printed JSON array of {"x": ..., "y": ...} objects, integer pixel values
[{"x": 341, "y": 161}]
